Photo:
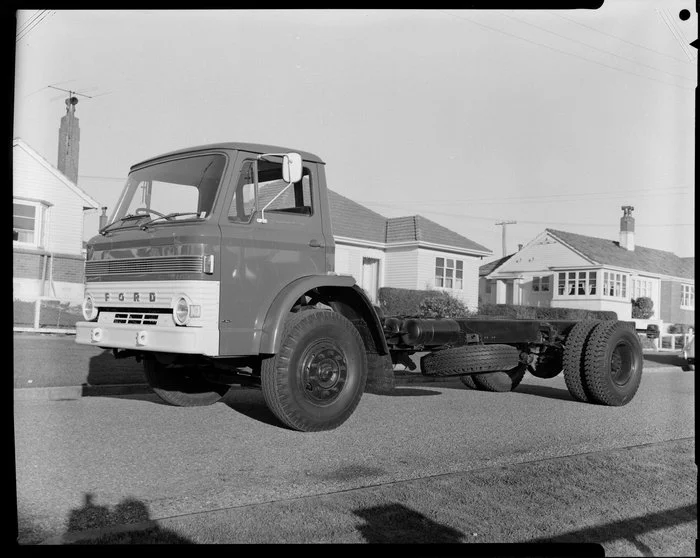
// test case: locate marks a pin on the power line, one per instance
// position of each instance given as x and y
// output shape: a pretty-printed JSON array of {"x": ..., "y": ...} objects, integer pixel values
[
  {"x": 33, "y": 26},
  {"x": 619, "y": 38},
  {"x": 565, "y": 52},
  {"x": 594, "y": 47}
]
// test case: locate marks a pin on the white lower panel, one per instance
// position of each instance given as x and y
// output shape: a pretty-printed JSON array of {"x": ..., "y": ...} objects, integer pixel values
[{"x": 188, "y": 340}]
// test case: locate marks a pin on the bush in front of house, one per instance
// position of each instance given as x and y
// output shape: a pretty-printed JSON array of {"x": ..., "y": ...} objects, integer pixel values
[
  {"x": 642, "y": 308},
  {"x": 401, "y": 302},
  {"x": 515, "y": 311},
  {"x": 442, "y": 305}
]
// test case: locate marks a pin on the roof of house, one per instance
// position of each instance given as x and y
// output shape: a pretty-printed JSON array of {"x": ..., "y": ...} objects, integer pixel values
[
  {"x": 352, "y": 220},
  {"x": 88, "y": 201},
  {"x": 495, "y": 264},
  {"x": 417, "y": 228},
  {"x": 609, "y": 252}
]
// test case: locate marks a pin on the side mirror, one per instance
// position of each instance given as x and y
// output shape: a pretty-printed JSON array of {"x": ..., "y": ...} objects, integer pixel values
[{"x": 291, "y": 168}]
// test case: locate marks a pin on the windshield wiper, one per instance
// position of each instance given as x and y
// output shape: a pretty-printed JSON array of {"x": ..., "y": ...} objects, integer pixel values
[
  {"x": 106, "y": 229},
  {"x": 168, "y": 217}
]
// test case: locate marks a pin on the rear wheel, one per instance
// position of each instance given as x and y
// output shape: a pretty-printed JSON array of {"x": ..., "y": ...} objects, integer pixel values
[
  {"x": 182, "y": 386},
  {"x": 573, "y": 359},
  {"x": 316, "y": 379},
  {"x": 613, "y": 364}
]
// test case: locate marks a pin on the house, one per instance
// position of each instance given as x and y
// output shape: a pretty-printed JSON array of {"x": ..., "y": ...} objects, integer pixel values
[
  {"x": 404, "y": 252},
  {"x": 47, "y": 219},
  {"x": 563, "y": 269}
]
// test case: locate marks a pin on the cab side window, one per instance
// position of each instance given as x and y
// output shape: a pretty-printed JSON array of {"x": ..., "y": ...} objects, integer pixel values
[{"x": 296, "y": 199}]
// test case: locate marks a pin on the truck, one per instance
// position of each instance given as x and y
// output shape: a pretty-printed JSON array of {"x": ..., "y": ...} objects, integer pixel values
[{"x": 217, "y": 269}]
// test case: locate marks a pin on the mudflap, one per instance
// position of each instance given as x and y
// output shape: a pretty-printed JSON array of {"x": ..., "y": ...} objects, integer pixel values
[{"x": 380, "y": 374}]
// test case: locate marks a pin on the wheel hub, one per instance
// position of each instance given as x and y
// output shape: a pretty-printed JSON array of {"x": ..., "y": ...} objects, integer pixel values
[{"x": 324, "y": 372}]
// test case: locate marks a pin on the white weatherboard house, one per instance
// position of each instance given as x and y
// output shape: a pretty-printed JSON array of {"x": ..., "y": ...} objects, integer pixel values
[
  {"x": 403, "y": 252},
  {"x": 563, "y": 269},
  {"x": 47, "y": 220}
]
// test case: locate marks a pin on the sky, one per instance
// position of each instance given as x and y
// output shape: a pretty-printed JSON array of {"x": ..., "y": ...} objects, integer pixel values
[{"x": 551, "y": 118}]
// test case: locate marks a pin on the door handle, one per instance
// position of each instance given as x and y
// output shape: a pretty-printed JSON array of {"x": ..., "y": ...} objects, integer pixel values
[{"x": 315, "y": 243}]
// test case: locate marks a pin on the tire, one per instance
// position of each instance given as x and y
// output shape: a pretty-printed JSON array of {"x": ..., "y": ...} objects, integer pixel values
[
  {"x": 469, "y": 382},
  {"x": 549, "y": 366},
  {"x": 613, "y": 364},
  {"x": 181, "y": 386},
  {"x": 501, "y": 381},
  {"x": 316, "y": 379},
  {"x": 573, "y": 359},
  {"x": 469, "y": 358}
]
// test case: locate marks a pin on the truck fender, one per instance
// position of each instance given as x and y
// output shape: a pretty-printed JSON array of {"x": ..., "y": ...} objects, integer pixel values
[
  {"x": 285, "y": 299},
  {"x": 347, "y": 297}
]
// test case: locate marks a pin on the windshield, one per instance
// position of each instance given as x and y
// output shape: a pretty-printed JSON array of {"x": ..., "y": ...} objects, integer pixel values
[{"x": 180, "y": 189}]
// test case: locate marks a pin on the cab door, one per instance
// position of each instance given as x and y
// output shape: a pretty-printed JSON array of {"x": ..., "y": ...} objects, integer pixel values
[{"x": 258, "y": 259}]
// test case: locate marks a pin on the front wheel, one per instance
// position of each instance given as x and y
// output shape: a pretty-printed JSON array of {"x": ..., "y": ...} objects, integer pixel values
[
  {"x": 316, "y": 379},
  {"x": 182, "y": 386}
]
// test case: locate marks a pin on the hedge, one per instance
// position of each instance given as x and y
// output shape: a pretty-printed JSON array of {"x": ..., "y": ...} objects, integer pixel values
[{"x": 409, "y": 302}]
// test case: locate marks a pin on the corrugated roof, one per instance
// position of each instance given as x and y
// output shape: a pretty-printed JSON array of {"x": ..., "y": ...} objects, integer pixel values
[{"x": 609, "y": 252}]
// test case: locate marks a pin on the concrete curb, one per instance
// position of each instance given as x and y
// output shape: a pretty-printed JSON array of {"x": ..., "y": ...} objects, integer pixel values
[{"x": 76, "y": 392}]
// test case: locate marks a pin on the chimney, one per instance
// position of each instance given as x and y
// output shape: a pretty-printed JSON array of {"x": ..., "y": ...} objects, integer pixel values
[
  {"x": 103, "y": 219},
  {"x": 69, "y": 142},
  {"x": 627, "y": 228}
]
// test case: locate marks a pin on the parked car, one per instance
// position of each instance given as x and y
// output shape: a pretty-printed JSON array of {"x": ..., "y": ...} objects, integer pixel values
[{"x": 689, "y": 354}]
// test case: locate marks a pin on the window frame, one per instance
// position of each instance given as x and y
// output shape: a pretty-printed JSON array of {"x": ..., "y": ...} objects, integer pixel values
[
  {"x": 41, "y": 208},
  {"x": 453, "y": 273},
  {"x": 687, "y": 296}
]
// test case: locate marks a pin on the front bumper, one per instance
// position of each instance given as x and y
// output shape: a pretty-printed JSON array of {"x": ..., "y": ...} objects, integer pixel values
[{"x": 187, "y": 340}]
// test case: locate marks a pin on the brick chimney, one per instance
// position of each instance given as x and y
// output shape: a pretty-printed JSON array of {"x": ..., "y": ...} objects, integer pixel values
[
  {"x": 103, "y": 219},
  {"x": 627, "y": 228},
  {"x": 69, "y": 142}
]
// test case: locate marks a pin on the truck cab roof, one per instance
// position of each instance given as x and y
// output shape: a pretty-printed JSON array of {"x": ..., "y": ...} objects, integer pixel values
[{"x": 252, "y": 147}]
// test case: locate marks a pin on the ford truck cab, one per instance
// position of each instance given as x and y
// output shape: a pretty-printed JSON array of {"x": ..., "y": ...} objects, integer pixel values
[{"x": 208, "y": 252}]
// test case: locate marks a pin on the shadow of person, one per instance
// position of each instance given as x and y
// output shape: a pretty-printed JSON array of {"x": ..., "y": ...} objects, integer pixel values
[
  {"x": 90, "y": 516},
  {"x": 396, "y": 523}
]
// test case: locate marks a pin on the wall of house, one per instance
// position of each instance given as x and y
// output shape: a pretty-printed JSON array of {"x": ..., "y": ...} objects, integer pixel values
[
  {"x": 348, "y": 260},
  {"x": 469, "y": 294},
  {"x": 671, "y": 311},
  {"x": 540, "y": 255},
  {"x": 401, "y": 268},
  {"x": 528, "y": 297},
  {"x": 623, "y": 308},
  {"x": 63, "y": 276},
  {"x": 484, "y": 297},
  {"x": 64, "y": 219}
]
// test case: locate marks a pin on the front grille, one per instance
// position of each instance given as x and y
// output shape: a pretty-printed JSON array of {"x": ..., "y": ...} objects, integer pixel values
[
  {"x": 138, "y": 319},
  {"x": 160, "y": 264}
]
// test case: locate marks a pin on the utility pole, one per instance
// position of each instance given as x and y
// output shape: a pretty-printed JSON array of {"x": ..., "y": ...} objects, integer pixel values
[{"x": 503, "y": 232}]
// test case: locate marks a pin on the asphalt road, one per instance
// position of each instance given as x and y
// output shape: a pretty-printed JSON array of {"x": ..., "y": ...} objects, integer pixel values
[{"x": 99, "y": 452}]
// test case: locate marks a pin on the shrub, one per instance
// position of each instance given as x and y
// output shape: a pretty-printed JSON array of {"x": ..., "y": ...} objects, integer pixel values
[
  {"x": 680, "y": 328},
  {"x": 642, "y": 308},
  {"x": 543, "y": 313},
  {"x": 442, "y": 305},
  {"x": 401, "y": 302}
]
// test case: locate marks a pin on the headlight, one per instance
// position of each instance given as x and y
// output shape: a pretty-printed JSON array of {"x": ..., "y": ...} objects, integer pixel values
[
  {"x": 181, "y": 311},
  {"x": 89, "y": 309}
]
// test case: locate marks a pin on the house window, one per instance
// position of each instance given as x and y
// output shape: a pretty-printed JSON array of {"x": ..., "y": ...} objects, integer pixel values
[
  {"x": 449, "y": 273},
  {"x": 614, "y": 284},
  {"x": 641, "y": 287},
  {"x": 688, "y": 296},
  {"x": 487, "y": 287},
  {"x": 27, "y": 222},
  {"x": 574, "y": 283},
  {"x": 541, "y": 284}
]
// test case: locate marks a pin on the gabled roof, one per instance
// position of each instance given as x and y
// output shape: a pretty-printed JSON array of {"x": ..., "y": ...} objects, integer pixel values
[
  {"x": 88, "y": 201},
  {"x": 417, "y": 228},
  {"x": 494, "y": 265},
  {"x": 609, "y": 252},
  {"x": 352, "y": 220}
]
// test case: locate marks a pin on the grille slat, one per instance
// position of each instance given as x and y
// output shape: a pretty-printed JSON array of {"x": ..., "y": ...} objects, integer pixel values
[
  {"x": 135, "y": 318},
  {"x": 162, "y": 264}
]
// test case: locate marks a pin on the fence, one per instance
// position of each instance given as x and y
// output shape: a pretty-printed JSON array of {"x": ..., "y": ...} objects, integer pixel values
[{"x": 672, "y": 341}]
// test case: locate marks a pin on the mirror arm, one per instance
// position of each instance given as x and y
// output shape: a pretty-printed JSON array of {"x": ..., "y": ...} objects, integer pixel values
[{"x": 264, "y": 158}]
